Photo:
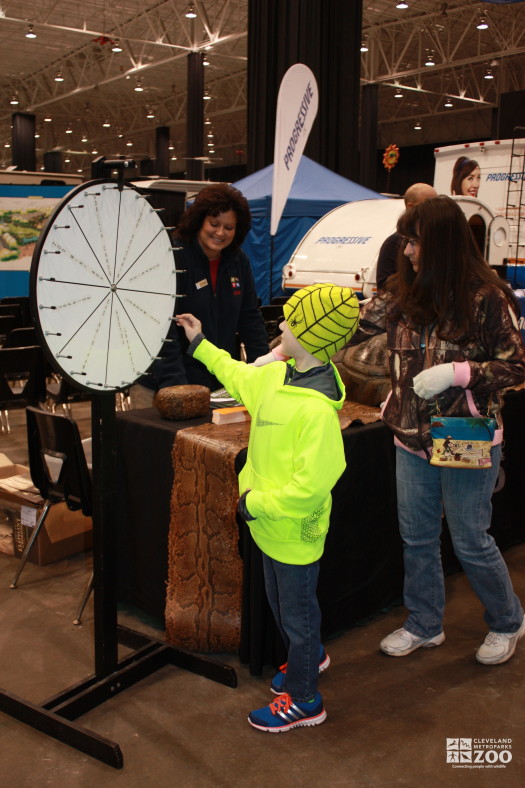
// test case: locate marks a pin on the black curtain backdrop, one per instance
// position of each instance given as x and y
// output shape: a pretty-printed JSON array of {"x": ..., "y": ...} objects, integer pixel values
[
  {"x": 509, "y": 115},
  {"x": 325, "y": 36},
  {"x": 162, "y": 142},
  {"x": 53, "y": 161},
  {"x": 23, "y": 141},
  {"x": 368, "y": 137},
  {"x": 195, "y": 117}
]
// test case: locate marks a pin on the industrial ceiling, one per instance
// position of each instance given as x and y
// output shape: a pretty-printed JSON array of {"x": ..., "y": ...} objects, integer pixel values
[{"x": 101, "y": 52}]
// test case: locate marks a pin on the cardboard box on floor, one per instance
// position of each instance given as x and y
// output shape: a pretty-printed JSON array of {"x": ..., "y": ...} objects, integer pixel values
[{"x": 64, "y": 532}]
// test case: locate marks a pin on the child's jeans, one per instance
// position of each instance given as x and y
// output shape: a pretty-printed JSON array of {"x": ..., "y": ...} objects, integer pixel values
[{"x": 291, "y": 592}]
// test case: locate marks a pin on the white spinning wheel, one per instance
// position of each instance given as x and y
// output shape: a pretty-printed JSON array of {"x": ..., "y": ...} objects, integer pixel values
[{"x": 103, "y": 285}]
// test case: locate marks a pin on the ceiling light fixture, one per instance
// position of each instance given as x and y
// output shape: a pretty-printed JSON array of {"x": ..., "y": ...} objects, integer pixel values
[
  {"x": 48, "y": 118},
  {"x": 138, "y": 85},
  {"x": 84, "y": 138},
  {"x": 190, "y": 13},
  {"x": 69, "y": 130},
  {"x": 398, "y": 94},
  {"x": 364, "y": 44},
  {"x": 488, "y": 74},
  {"x": 205, "y": 60},
  {"x": 417, "y": 125},
  {"x": 207, "y": 122},
  {"x": 14, "y": 99},
  {"x": 448, "y": 102},
  {"x": 206, "y": 96},
  {"x": 30, "y": 32},
  {"x": 106, "y": 124},
  {"x": 66, "y": 161},
  {"x": 59, "y": 77},
  {"x": 482, "y": 24},
  {"x": 37, "y": 134},
  {"x": 116, "y": 46},
  {"x": 401, "y": 5},
  {"x": 129, "y": 143},
  {"x": 430, "y": 59},
  {"x": 150, "y": 113}
]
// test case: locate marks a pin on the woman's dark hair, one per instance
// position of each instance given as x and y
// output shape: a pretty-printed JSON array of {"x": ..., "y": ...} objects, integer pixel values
[
  {"x": 211, "y": 201},
  {"x": 450, "y": 270},
  {"x": 463, "y": 167}
]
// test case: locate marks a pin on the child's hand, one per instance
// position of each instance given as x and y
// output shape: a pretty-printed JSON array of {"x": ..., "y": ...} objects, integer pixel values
[{"x": 190, "y": 324}]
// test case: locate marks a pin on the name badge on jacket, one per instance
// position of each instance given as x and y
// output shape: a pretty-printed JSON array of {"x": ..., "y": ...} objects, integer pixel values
[{"x": 201, "y": 284}]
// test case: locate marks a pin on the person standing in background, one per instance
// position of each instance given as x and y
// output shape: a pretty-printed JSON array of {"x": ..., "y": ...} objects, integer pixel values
[
  {"x": 217, "y": 285},
  {"x": 388, "y": 253}
]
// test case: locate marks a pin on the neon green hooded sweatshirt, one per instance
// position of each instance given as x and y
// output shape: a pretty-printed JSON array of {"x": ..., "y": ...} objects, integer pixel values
[{"x": 295, "y": 455}]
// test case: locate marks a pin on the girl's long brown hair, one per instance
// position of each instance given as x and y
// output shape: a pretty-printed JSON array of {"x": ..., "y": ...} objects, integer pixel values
[{"x": 451, "y": 269}]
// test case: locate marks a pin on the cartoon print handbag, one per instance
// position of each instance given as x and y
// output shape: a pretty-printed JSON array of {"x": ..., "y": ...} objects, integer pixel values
[{"x": 462, "y": 441}]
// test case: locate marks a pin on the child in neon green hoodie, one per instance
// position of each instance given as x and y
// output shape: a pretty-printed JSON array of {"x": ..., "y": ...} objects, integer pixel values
[{"x": 295, "y": 456}]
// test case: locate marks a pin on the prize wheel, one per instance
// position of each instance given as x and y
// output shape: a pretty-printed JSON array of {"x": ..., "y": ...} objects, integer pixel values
[{"x": 103, "y": 285}]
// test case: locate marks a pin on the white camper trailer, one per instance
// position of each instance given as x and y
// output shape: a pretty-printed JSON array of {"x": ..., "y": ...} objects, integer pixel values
[
  {"x": 343, "y": 246},
  {"x": 501, "y": 183}
]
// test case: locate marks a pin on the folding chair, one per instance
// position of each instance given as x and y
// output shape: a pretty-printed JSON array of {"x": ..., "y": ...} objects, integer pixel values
[
  {"x": 14, "y": 311},
  {"x": 21, "y": 337},
  {"x": 22, "y": 380},
  {"x": 59, "y": 470},
  {"x": 7, "y": 323},
  {"x": 60, "y": 391},
  {"x": 23, "y": 303}
]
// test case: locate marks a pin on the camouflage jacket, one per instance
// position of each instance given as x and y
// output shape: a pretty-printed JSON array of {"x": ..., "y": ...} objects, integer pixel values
[{"x": 495, "y": 357}]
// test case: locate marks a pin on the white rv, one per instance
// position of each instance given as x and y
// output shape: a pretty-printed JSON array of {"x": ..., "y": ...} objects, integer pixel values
[{"x": 343, "y": 246}]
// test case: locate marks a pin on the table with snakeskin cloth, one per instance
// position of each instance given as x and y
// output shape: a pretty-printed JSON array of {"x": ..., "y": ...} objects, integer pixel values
[{"x": 182, "y": 534}]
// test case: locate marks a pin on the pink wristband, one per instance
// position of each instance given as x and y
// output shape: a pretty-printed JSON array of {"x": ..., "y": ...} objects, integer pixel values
[{"x": 461, "y": 373}]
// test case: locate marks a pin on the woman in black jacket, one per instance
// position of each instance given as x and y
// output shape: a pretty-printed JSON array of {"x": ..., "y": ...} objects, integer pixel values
[{"x": 218, "y": 288}]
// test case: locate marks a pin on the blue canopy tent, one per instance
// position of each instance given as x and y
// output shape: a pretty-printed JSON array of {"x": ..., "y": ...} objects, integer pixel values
[{"x": 315, "y": 191}]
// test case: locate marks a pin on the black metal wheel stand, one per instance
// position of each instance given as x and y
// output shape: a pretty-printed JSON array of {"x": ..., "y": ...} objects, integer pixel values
[{"x": 56, "y": 716}]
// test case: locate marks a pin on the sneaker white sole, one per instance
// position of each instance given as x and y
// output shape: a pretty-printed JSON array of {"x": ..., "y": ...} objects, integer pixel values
[
  {"x": 317, "y": 720},
  {"x": 505, "y": 658},
  {"x": 432, "y": 643}
]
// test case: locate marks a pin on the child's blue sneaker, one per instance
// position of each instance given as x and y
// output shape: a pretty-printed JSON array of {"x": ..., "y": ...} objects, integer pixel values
[
  {"x": 283, "y": 714},
  {"x": 278, "y": 679}
]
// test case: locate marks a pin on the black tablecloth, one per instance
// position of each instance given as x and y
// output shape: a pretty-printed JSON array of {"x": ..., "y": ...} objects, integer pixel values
[{"x": 144, "y": 482}]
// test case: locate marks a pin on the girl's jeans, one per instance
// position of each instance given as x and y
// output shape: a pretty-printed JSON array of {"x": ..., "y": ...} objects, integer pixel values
[
  {"x": 465, "y": 495},
  {"x": 291, "y": 592}
]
